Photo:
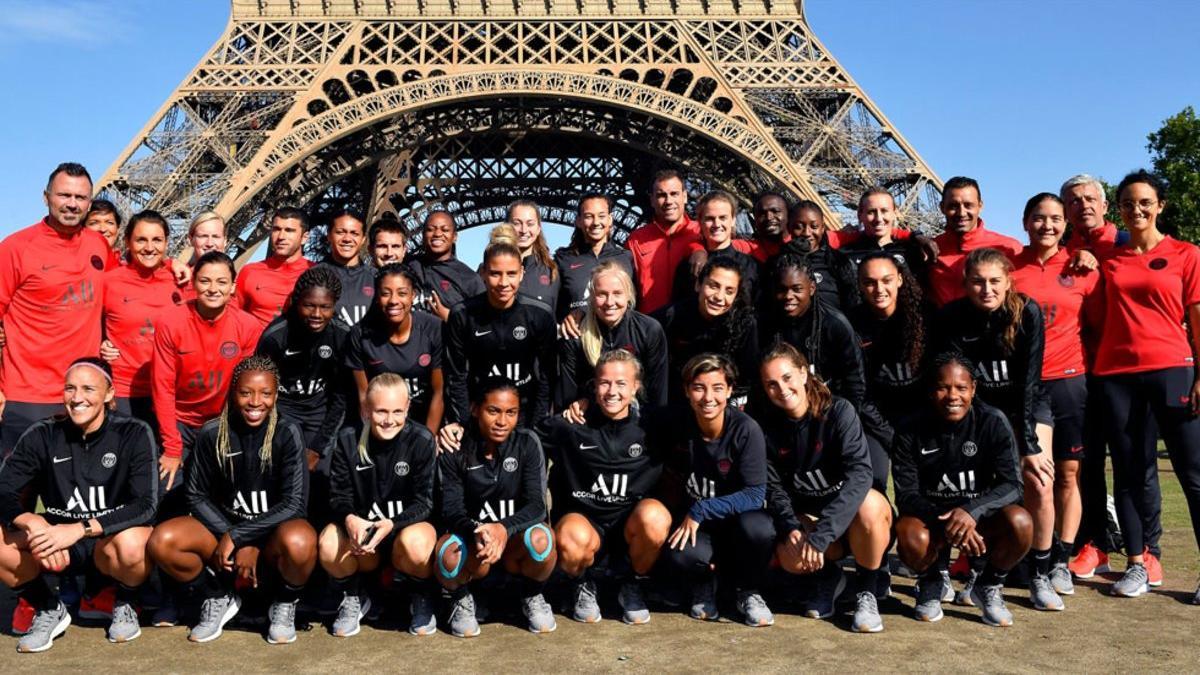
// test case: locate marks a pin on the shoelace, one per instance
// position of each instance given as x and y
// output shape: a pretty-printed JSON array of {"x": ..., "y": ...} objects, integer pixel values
[
  {"x": 351, "y": 605},
  {"x": 992, "y": 595},
  {"x": 867, "y": 598},
  {"x": 124, "y": 612},
  {"x": 213, "y": 607},
  {"x": 44, "y": 621},
  {"x": 465, "y": 604},
  {"x": 283, "y": 612},
  {"x": 537, "y": 602},
  {"x": 754, "y": 601},
  {"x": 588, "y": 590}
]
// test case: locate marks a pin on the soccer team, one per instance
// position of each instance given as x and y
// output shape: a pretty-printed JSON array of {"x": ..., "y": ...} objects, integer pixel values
[{"x": 690, "y": 411}]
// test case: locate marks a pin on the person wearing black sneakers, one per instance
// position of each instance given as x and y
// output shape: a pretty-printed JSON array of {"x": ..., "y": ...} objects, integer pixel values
[
  {"x": 95, "y": 475},
  {"x": 1002, "y": 332},
  {"x": 493, "y": 509},
  {"x": 958, "y": 484},
  {"x": 602, "y": 474},
  {"x": 612, "y": 323},
  {"x": 541, "y": 280},
  {"x": 720, "y": 457},
  {"x": 245, "y": 487},
  {"x": 346, "y": 238},
  {"x": 382, "y": 502},
  {"x": 819, "y": 488},
  {"x": 445, "y": 280},
  {"x": 499, "y": 333},
  {"x": 591, "y": 245},
  {"x": 392, "y": 338},
  {"x": 719, "y": 321}
]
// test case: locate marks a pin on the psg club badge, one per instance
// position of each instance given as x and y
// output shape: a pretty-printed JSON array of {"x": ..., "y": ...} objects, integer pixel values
[
  {"x": 635, "y": 450},
  {"x": 424, "y": 360},
  {"x": 724, "y": 466},
  {"x": 324, "y": 351},
  {"x": 445, "y": 285},
  {"x": 544, "y": 279},
  {"x": 969, "y": 449},
  {"x": 97, "y": 262},
  {"x": 1158, "y": 263},
  {"x": 519, "y": 333},
  {"x": 1066, "y": 281},
  {"x": 401, "y": 468},
  {"x": 510, "y": 464},
  {"x": 368, "y": 291},
  {"x": 229, "y": 349},
  {"x": 109, "y": 460}
]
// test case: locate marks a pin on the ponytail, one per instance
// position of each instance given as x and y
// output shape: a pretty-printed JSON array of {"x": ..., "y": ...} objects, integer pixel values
[{"x": 1014, "y": 302}]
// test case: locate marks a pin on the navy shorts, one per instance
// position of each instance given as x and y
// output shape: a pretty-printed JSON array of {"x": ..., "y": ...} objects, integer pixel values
[
  {"x": 1043, "y": 409},
  {"x": 1068, "y": 401}
]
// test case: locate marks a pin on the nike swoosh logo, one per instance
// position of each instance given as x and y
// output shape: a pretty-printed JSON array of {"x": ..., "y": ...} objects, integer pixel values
[
  {"x": 472, "y": 468},
  {"x": 376, "y": 363},
  {"x": 588, "y": 447},
  {"x": 576, "y": 266},
  {"x": 970, "y": 339},
  {"x": 363, "y": 467},
  {"x": 925, "y": 451},
  {"x": 60, "y": 460},
  {"x": 47, "y": 268},
  {"x": 185, "y": 353},
  {"x": 478, "y": 334},
  {"x": 234, "y": 454},
  {"x": 127, "y": 300},
  {"x": 288, "y": 352}
]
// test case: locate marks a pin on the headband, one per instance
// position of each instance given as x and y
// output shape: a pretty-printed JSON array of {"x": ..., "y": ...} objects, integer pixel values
[{"x": 98, "y": 369}]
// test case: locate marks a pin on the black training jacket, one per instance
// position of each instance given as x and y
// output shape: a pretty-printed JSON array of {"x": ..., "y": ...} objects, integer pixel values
[
  {"x": 894, "y": 386},
  {"x": 836, "y": 277},
  {"x": 394, "y": 482},
  {"x": 358, "y": 291},
  {"x": 110, "y": 475},
  {"x": 688, "y": 334},
  {"x": 371, "y": 350},
  {"x": 241, "y": 496},
  {"x": 684, "y": 286},
  {"x": 635, "y": 332},
  {"x": 575, "y": 272},
  {"x": 725, "y": 476},
  {"x": 311, "y": 376},
  {"x": 972, "y": 464},
  {"x": 509, "y": 489},
  {"x": 451, "y": 279},
  {"x": 540, "y": 283}
]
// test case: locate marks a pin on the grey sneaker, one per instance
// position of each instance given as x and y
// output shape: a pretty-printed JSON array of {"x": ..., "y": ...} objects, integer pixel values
[
  {"x": 587, "y": 608},
  {"x": 704, "y": 600},
  {"x": 866, "y": 614},
  {"x": 424, "y": 620},
  {"x": 462, "y": 615},
  {"x": 990, "y": 599},
  {"x": 47, "y": 625},
  {"x": 1196, "y": 597},
  {"x": 350, "y": 614},
  {"x": 124, "y": 626},
  {"x": 634, "y": 610},
  {"x": 930, "y": 596},
  {"x": 964, "y": 596},
  {"x": 282, "y": 630},
  {"x": 1041, "y": 593},
  {"x": 1133, "y": 583},
  {"x": 1060, "y": 579},
  {"x": 537, "y": 610},
  {"x": 754, "y": 610},
  {"x": 830, "y": 584},
  {"x": 214, "y": 614},
  {"x": 167, "y": 614}
]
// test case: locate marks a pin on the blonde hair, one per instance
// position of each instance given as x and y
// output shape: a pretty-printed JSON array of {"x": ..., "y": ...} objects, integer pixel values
[
  {"x": 380, "y": 381},
  {"x": 204, "y": 217},
  {"x": 589, "y": 330},
  {"x": 247, "y": 365},
  {"x": 622, "y": 356}
]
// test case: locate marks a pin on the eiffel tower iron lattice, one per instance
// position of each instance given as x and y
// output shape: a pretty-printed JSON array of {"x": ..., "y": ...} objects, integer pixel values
[{"x": 402, "y": 106}]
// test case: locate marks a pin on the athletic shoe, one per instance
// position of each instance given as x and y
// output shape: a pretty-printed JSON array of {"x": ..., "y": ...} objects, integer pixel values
[
  {"x": 905, "y": 571},
  {"x": 537, "y": 610},
  {"x": 587, "y": 608},
  {"x": 1154, "y": 570},
  {"x": 964, "y": 597},
  {"x": 167, "y": 614},
  {"x": 124, "y": 626},
  {"x": 22, "y": 617},
  {"x": 632, "y": 600},
  {"x": 99, "y": 606},
  {"x": 424, "y": 621},
  {"x": 930, "y": 591},
  {"x": 704, "y": 600},
  {"x": 830, "y": 584},
  {"x": 1196, "y": 597},
  {"x": 1089, "y": 561},
  {"x": 462, "y": 615},
  {"x": 990, "y": 599},
  {"x": 1133, "y": 583},
  {"x": 47, "y": 625},
  {"x": 349, "y": 615},
  {"x": 1060, "y": 579},
  {"x": 214, "y": 614},
  {"x": 754, "y": 610},
  {"x": 866, "y": 614},
  {"x": 961, "y": 567},
  {"x": 1041, "y": 593},
  {"x": 883, "y": 584},
  {"x": 282, "y": 630}
]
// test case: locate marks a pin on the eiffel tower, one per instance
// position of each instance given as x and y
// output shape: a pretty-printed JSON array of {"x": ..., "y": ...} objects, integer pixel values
[{"x": 401, "y": 106}]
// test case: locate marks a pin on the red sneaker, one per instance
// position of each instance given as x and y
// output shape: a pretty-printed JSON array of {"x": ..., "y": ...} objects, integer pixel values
[
  {"x": 99, "y": 606},
  {"x": 961, "y": 567},
  {"x": 22, "y": 617},
  {"x": 1089, "y": 561},
  {"x": 1154, "y": 568}
]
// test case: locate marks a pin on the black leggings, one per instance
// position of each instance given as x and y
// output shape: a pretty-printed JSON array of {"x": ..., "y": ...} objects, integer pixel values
[
  {"x": 1132, "y": 402},
  {"x": 881, "y": 463},
  {"x": 744, "y": 542}
]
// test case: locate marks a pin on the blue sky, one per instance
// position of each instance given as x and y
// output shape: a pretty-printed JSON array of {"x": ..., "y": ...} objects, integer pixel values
[{"x": 1019, "y": 94}]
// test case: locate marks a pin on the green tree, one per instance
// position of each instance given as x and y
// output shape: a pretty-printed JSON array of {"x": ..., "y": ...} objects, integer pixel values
[{"x": 1175, "y": 149}]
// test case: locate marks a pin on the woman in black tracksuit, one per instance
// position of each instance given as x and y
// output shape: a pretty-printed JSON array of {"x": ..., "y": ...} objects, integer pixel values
[
  {"x": 493, "y": 509},
  {"x": 824, "y": 336},
  {"x": 820, "y": 487},
  {"x": 245, "y": 487},
  {"x": 445, "y": 280},
  {"x": 382, "y": 503},
  {"x": 591, "y": 245}
]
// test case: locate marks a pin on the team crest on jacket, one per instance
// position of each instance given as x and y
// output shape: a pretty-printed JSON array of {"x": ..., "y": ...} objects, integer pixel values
[
  {"x": 324, "y": 351},
  {"x": 1158, "y": 264},
  {"x": 519, "y": 333},
  {"x": 1066, "y": 281},
  {"x": 229, "y": 349},
  {"x": 445, "y": 285},
  {"x": 724, "y": 466},
  {"x": 109, "y": 460},
  {"x": 368, "y": 291},
  {"x": 635, "y": 450},
  {"x": 969, "y": 449},
  {"x": 97, "y": 262},
  {"x": 544, "y": 279},
  {"x": 177, "y": 298},
  {"x": 510, "y": 464},
  {"x": 401, "y": 468},
  {"x": 424, "y": 360},
  {"x": 818, "y": 277}
]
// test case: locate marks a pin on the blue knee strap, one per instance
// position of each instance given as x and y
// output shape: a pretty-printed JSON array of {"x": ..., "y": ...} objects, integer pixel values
[
  {"x": 462, "y": 557},
  {"x": 539, "y": 557}
]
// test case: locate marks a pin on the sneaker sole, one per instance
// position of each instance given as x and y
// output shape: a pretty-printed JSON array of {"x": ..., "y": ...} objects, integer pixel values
[
  {"x": 288, "y": 641},
  {"x": 1099, "y": 569},
  {"x": 759, "y": 624},
  {"x": 867, "y": 629},
  {"x": 543, "y": 631},
  {"x": 230, "y": 612},
  {"x": 1154, "y": 584},
  {"x": 1142, "y": 590},
  {"x": 131, "y": 638},
  {"x": 586, "y": 619},
  {"x": 422, "y": 631},
  {"x": 56, "y": 632},
  {"x": 705, "y": 617},
  {"x": 1046, "y": 608},
  {"x": 931, "y": 619},
  {"x": 635, "y": 622}
]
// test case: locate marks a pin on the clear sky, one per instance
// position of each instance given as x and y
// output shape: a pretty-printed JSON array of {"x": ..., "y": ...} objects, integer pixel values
[{"x": 1019, "y": 94}]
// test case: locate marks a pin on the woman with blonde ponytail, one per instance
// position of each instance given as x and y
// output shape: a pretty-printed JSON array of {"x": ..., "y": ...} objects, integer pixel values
[
  {"x": 246, "y": 490},
  {"x": 609, "y": 323}
]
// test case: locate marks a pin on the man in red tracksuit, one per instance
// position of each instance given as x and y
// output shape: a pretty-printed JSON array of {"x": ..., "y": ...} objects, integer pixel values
[
  {"x": 962, "y": 202},
  {"x": 50, "y": 285},
  {"x": 661, "y": 244},
  {"x": 264, "y": 287}
]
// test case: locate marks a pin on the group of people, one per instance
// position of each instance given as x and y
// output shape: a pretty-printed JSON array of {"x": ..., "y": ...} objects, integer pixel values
[{"x": 691, "y": 408}]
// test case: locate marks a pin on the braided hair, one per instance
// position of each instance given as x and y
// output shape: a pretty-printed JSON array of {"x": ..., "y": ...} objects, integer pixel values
[
  {"x": 320, "y": 276},
  {"x": 794, "y": 262},
  {"x": 944, "y": 359},
  {"x": 255, "y": 363},
  {"x": 909, "y": 303}
]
